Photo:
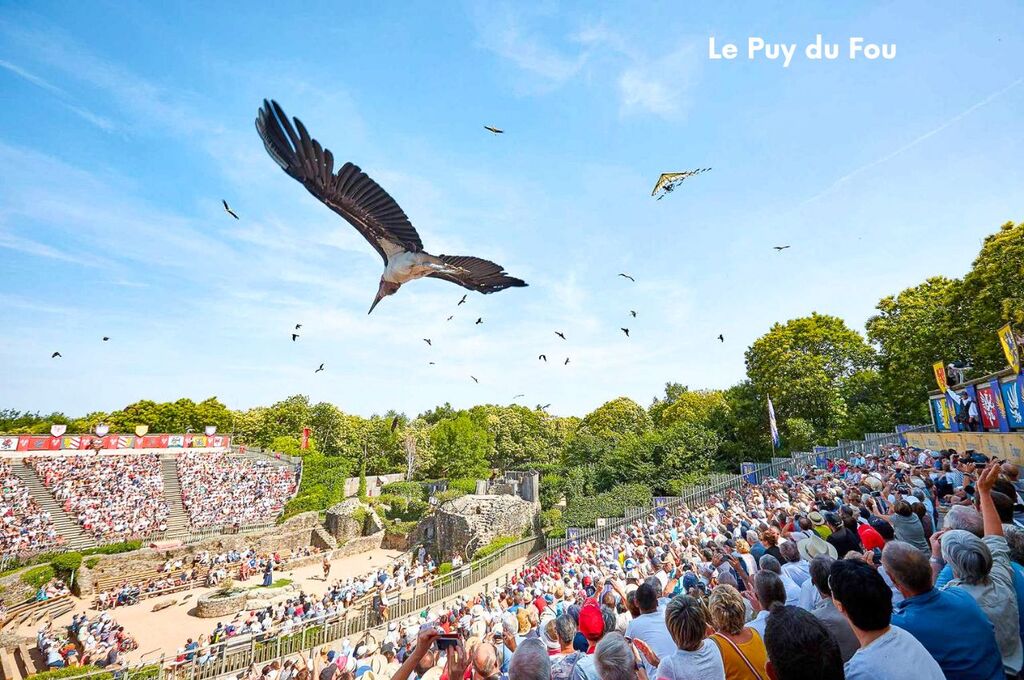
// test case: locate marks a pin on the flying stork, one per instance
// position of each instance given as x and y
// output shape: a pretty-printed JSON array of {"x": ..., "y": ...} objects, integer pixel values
[{"x": 366, "y": 206}]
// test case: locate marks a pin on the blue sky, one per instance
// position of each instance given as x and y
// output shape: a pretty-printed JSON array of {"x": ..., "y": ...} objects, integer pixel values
[{"x": 124, "y": 125}]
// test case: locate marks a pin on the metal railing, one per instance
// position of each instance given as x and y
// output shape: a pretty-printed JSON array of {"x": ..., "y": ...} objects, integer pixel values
[{"x": 234, "y": 655}]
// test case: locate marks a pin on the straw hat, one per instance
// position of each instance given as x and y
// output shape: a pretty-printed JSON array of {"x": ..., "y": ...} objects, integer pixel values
[{"x": 815, "y": 545}]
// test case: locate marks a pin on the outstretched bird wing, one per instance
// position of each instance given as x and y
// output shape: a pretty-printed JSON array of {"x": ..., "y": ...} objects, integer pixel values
[
  {"x": 476, "y": 274},
  {"x": 350, "y": 192}
]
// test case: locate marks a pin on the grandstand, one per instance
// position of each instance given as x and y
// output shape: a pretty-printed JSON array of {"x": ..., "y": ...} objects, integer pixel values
[{"x": 75, "y": 492}]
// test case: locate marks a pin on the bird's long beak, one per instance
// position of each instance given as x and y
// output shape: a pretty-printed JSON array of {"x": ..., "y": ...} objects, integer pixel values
[{"x": 380, "y": 296}]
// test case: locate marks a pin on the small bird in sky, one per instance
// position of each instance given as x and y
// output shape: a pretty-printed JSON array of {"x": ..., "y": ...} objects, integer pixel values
[
  {"x": 625, "y": 330},
  {"x": 479, "y": 321},
  {"x": 228, "y": 210},
  {"x": 55, "y": 355},
  {"x": 462, "y": 301},
  {"x": 560, "y": 334},
  {"x": 497, "y": 131},
  {"x": 721, "y": 338},
  {"x": 298, "y": 326},
  {"x": 450, "y": 317},
  {"x": 394, "y": 423},
  {"x": 295, "y": 336},
  {"x": 544, "y": 406},
  {"x": 475, "y": 380},
  {"x": 106, "y": 337},
  {"x": 780, "y": 248},
  {"x": 543, "y": 357},
  {"x": 632, "y": 313},
  {"x": 319, "y": 369},
  {"x": 518, "y": 395},
  {"x": 427, "y": 340},
  {"x": 566, "y": 361},
  {"x": 627, "y": 276},
  {"x": 430, "y": 363}
]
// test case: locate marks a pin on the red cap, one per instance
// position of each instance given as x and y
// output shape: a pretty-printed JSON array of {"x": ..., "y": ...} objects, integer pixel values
[{"x": 591, "y": 620}]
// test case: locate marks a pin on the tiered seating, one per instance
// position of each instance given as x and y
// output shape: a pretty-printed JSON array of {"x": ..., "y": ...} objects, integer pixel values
[
  {"x": 26, "y": 528},
  {"x": 114, "y": 497},
  {"x": 220, "y": 490}
]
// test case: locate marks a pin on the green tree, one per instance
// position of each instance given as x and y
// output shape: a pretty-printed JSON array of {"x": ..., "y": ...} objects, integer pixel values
[
  {"x": 797, "y": 435},
  {"x": 461, "y": 447},
  {"x": 618, "y": 417},
  {"x": 802, "y": 364},
  {"x": 912, "y": 330},
  {"x": 992, "y": 294},
  {"x": 705, "y": 408}
]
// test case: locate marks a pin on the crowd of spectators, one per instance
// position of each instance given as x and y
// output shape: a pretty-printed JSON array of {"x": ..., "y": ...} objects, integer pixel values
[
  {"x": 26, "y": 527},
  {"x": 904, "y": 565},
  {"x": 99, "y": 641},
  {"x": 113, "y": 497},
  {"x": 222, "y": 490}
]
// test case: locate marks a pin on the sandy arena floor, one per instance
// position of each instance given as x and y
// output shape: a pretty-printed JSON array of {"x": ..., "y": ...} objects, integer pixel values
[{"x": 164, "y": 631}]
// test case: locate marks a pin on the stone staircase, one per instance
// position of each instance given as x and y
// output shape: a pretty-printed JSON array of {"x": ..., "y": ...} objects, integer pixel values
[
  {"x": 67, "y": 526},
  {"x": 177, "y": 520}
]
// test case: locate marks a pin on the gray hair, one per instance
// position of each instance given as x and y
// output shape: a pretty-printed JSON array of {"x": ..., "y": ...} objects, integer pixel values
[
  {"x": 613, "y": 658},
  {"x": 789, "y": 551},
  {"x": 1015, "y": 539},
  {"x": 966, "y": 518},
  {"x": 509, "y": 623},
  {"x": 565, "y": 629},
  {"x": 752, "y": 537},
  {"x": 530, "y": 661},
  {"x": 770, "y": 563},
  {"x": 968, "y": 555}
]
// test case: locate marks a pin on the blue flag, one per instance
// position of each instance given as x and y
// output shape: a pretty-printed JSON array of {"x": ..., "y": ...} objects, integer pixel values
[{"x": 772, "y": 424}]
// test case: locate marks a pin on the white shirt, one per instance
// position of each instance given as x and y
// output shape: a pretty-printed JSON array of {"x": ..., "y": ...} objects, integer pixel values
[{"x": 704, "y": 664}]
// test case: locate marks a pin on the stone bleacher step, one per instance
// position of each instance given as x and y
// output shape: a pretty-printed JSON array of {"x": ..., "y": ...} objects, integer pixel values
[
  {"x": 67, "y": 526},
  {"x": 177, "y": 519}
]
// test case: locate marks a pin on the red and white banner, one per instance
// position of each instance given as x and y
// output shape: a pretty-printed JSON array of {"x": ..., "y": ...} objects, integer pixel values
[
  {"x": 84, "y": 442},
  {"x": 987, "y": 407}
]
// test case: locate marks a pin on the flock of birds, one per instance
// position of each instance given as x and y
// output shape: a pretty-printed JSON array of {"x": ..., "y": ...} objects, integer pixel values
[{"x": 381, "y": 221}]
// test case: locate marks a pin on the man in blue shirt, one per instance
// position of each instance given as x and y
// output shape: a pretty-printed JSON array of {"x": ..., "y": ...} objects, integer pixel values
[{"x": 949, "y": 623}]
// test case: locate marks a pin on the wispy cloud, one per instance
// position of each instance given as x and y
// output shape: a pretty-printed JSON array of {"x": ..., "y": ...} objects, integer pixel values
[
  {"x": 504, "y": 29},
  {"x": 914, "y": 142},
  {"x": 29, "y": 247},
  {"x": 661, "y": 86},
  {"x": 62, "y": 96},
  {"x": 645, "y": 83}
]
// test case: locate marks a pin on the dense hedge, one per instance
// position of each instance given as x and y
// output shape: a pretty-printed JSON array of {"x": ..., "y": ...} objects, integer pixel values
[
  {"x": 38, "y": 576},
  {"x": 583, "y": 512},
  {"x": 465, "y": 485},
  {"x": 323, "y": 484},
  {"x": 113, "y": 548},
  {"x": 408, "y": 490},
  {"x": 449, "y": 495},
  {"x": 397, "y": 527},
  {"x": 74, "y": 671},
  {"x": 494, "y": 546},
  {"x": 66, "y": 563}
]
